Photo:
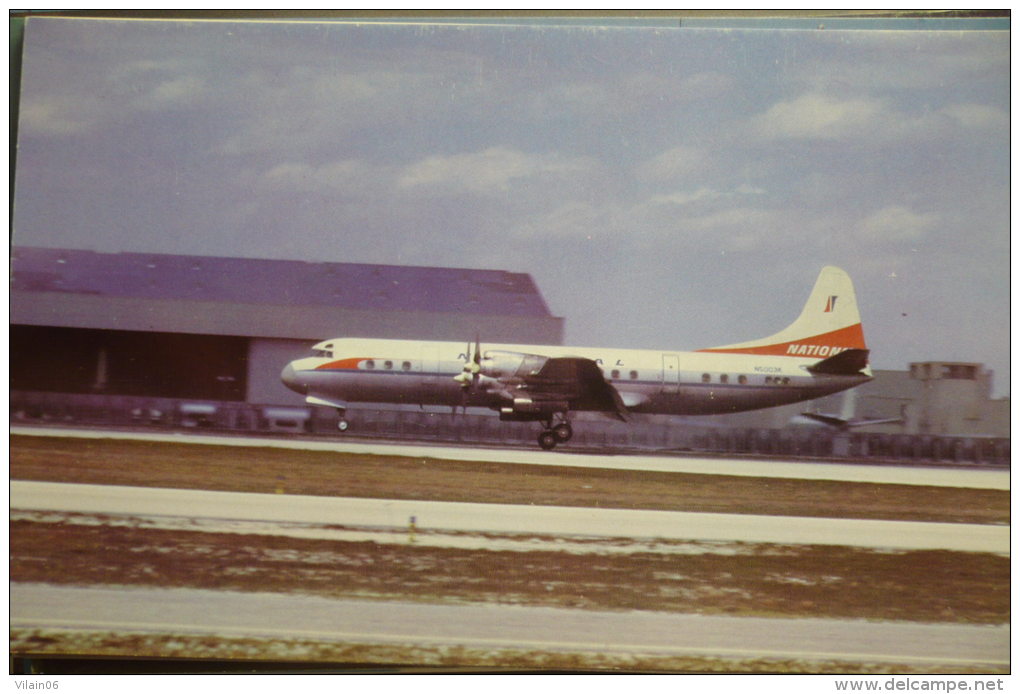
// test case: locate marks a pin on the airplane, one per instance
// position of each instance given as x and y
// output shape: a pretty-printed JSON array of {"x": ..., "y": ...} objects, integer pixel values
[
  {"x": 840, "y": 423},
  {"x": 845, "y": 420},
  {"x": 822, "y": 352}
]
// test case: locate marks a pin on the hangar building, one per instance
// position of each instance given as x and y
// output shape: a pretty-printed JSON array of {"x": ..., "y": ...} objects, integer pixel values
[{"x": 211, "y": 328}]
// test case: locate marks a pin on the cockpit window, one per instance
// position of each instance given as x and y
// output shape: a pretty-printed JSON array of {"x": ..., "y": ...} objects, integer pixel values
[{"x": 327, "y": 353}]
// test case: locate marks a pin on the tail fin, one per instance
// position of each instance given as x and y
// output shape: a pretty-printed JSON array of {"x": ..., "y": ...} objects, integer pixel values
[{"x": 829, "y": 323}]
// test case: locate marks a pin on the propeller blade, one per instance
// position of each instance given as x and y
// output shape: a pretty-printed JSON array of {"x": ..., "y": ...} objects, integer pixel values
[
  {"x": 476, "y": 372},
  {"x": 468, "y": 378}
]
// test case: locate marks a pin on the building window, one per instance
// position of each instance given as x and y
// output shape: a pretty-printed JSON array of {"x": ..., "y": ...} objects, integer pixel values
[{"x": 965, "y": 372}]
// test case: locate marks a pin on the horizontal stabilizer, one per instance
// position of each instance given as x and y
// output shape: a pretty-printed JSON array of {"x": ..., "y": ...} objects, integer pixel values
[
  {"x": 828, "y": 419},
  {"x": 323, "y": 402},
  {"x": 840, "y": 423},
  {"x": 849, "y": 362}
]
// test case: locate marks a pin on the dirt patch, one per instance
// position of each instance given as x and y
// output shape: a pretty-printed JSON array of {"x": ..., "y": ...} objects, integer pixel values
[
  {"x": 182, "y": 654},
  {"x": 266, "y": 470},
  {"x": 764, "y": 580}
]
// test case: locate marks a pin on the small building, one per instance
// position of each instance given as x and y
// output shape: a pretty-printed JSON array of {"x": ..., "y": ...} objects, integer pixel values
[{"x": 955, "y": 399}]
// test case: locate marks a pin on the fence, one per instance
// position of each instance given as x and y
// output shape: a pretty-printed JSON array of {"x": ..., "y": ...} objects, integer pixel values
[{"x": 590, "y": 432}]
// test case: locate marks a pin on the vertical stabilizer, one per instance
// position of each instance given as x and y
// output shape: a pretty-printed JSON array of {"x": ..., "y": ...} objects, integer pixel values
[{"x": 829, "y": 323}]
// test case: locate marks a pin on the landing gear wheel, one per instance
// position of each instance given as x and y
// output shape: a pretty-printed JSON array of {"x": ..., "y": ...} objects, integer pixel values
[
  {"x": 564, "y": 432},
  {"x": 343, "y": 425},
  {"x": 547, "y": 440}
]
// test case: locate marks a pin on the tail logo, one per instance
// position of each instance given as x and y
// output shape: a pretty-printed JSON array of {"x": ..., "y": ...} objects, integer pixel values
[{"x": 830, "y": 304}]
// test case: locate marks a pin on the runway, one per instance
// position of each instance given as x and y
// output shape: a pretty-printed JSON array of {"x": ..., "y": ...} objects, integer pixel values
[
  {"x": 973, "y": 478},
  {"x": 504, "y": 518},
  {"x": 267, "y": 615}
]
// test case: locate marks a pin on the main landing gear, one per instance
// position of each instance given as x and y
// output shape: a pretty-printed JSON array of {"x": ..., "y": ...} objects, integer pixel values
[{"x": 554, "y": 434}]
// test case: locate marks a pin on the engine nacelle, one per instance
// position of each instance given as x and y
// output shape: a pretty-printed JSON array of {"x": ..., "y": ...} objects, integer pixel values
[{"x": 527, "y": 410}]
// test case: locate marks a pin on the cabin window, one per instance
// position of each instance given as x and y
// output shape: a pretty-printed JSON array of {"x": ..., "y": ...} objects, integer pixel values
[
  {"x": 724, "y": 378},
  {"x": 786, "y": 380},
  {"x": 406, "y": 366},
  {"x": 633, "y": 375},
  {"x": 388, "y": 364},
  {"x": 370, "y": 364},
  {"x": 615, "y": 373},
  {"x": 768, "y": 380},
  {"x": 741, "y": 379},
  {"x": 706, "y": 378}
]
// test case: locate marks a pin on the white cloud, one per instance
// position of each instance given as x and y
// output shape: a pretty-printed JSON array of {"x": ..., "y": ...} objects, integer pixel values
[
  {"x": 870, "y": 122},
  {"x": 60, "y": 115},
  {"x": 179, "y": 91},
  {"x": 896, "y": 223},
  {"x": 819, "y": 117},
  {"x": 678, "y": 162},
  {"x": 574, "y": 219},
  {"x": 978, "y": 116},
  {"x": 681, "y": 198},
  {"x": 704, "y": 194},
  {"x": 490, "y": 171},
  {"x": 338, "y": 176}
]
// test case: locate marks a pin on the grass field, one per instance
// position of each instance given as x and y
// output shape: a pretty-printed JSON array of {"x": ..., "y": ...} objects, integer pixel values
[
  {"x": 268, "y": 470},
  {"x": 759, "y": 580},
  {"x": 724, "y": 578}
]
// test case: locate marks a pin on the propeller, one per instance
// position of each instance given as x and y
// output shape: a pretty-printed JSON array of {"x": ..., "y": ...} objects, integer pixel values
[{"x": 469, "y": 377}]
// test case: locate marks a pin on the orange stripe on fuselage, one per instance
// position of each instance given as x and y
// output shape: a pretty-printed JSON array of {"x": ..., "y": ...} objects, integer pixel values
[
  {"x": 851, "y": 337},
  {"x": 341, "y": 364}
]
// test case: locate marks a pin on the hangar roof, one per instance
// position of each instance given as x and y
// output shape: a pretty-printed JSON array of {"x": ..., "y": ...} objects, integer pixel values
[{"x": 276, "y": 282}]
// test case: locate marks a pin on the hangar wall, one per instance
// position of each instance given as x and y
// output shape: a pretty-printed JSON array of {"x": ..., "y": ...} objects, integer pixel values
[
  {"x": 266, "y": 359},
  {"x": 299, "y": 322}
]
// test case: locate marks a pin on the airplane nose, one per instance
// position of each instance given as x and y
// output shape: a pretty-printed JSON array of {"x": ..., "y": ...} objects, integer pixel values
[{"x": 290, "y": 379}]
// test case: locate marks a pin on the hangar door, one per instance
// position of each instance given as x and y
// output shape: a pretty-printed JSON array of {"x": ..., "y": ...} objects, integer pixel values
[{"x": 168, "y": 365}]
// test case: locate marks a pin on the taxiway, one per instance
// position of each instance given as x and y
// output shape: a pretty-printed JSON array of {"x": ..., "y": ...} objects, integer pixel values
[
  {"x": 504, "y": 518},
  {"x": 269, "y": 615}
]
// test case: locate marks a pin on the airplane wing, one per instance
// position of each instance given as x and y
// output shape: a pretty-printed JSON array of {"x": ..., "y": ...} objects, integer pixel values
[
  {"x": 840, "y": 423},
  {"x": 579, "y": 382},
  {"x": 829, "y": 419},
  {"x": 873, "y": 422}
]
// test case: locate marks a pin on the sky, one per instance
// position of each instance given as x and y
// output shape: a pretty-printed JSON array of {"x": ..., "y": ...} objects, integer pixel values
[{"x": 667, "y": 187}]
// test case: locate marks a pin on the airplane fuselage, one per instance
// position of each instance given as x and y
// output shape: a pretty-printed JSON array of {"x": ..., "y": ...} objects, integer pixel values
[{"x": 648, "y": 381}]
